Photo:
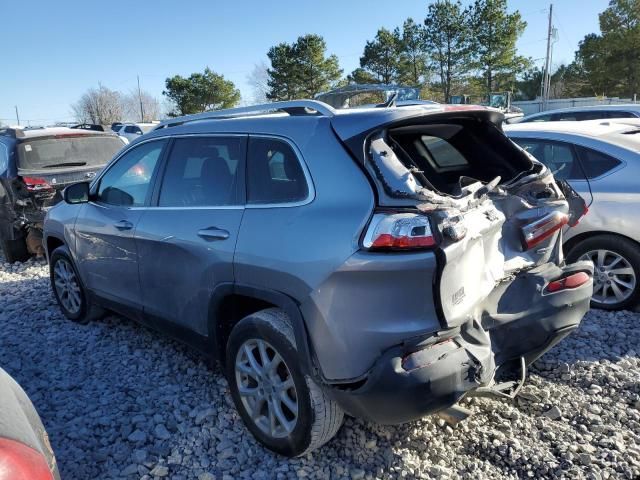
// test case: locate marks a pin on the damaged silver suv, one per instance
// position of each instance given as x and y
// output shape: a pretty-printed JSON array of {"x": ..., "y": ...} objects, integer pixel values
[{"x": 380, "y": 262}]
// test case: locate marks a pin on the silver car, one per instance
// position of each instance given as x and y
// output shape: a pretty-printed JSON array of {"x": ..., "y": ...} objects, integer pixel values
[
  {"x": 601, "y": 160},
  {"x": 573, "y": 114},
  {"x": 383, "y": 262}
]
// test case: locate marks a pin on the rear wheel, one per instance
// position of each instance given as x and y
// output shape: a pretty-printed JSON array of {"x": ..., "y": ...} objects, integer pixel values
[
  {"x": 15, "y": 250},
  {"x": 616, "y": 263},
  {"x": 284, "y": 409}
]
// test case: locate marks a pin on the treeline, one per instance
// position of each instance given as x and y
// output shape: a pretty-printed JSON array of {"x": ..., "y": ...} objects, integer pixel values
[
  {"x": 605, "y": 64},
  {"x": 453, "y": 50},
  {"x": 103, "y": 106}
]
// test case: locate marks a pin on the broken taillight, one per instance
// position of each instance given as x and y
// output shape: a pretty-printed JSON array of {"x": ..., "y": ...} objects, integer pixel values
[
  {"x": 36, "y": 184},
  {"x": 540, "y": 230},
  {"x": 572, "y": 281},
  {"x": 399, "y": 231}
]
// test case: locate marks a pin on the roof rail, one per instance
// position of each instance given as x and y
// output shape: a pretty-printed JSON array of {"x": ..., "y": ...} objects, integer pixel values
[{"x": 292, "y": 107}]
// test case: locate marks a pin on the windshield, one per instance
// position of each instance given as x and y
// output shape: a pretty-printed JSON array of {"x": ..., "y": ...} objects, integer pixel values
[{"x": 69, "y": 151}]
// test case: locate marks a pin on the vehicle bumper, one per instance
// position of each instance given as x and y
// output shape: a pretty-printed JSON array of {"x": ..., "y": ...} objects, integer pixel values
[{"x": 423, "y": 376}]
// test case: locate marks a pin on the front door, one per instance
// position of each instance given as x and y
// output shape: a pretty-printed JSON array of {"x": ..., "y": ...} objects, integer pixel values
[
  {"x": 186, "y": 239},
  {"x": 105, "y": 247}
]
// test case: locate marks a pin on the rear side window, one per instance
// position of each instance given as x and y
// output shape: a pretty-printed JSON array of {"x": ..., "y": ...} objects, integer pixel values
[
  {"x": 541, "y": 118},
  {"x": 274, "y": 173},
  {"x": 559, "y": 157},
  {"x": 127, "y": 182},
  {"x": 581, "y": 116},
  {"x": 203, "y": 171},
  {"x": 620, "y": 114},
  {"x": 596, "y": 163}
]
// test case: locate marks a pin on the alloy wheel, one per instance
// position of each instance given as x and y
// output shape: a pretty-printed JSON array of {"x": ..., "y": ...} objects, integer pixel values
[
  {"x": 614, "y": 277},
  {"x": 266, "y": 388},
  {"x": 67, "y": 286}
]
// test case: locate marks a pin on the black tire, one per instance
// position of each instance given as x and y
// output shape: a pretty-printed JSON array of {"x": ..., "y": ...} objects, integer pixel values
[
  {"x": 15, "y": 250},
  {"x": 318, "y": 418},
  {"x": 86, "y": 311},
  {"x": 625, "y": 248}
]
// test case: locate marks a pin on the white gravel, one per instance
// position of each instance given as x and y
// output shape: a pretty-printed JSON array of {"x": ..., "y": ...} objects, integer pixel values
[{"x": 120, "y": 401}]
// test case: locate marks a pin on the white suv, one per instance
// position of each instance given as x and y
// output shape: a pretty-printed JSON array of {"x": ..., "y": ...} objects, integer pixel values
[{"x": 131, "y": 131}]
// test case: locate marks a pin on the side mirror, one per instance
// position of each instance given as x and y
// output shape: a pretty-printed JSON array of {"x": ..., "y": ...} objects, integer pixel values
[{"x": 76, "y": 193}]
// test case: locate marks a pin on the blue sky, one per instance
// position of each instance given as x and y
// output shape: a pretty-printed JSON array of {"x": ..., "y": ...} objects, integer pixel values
[{"x": 54, "y": 50}]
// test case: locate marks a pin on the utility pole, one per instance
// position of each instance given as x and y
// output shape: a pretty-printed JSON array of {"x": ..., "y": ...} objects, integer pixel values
[
  {"x": 546, "y": 79},
  {"x": 17, "y": 115},
  {"x": 140, "y": 99}
]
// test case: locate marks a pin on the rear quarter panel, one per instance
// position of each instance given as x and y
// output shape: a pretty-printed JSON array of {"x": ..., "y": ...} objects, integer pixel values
[{"x": 355, "y": 304}]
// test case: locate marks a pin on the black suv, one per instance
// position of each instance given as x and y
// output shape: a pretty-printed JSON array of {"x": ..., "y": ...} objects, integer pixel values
[{"x": 35, "y": 165}]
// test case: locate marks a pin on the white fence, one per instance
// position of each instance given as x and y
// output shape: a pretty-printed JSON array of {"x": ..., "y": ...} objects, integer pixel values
[{"x": 535, "y": 106}]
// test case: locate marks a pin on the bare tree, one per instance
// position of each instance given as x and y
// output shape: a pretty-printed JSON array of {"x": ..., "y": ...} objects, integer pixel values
[
  {"x": 140, "y": 106},
  {"x": 100, "y": 105},
  {"x": 258, "y": 79}
]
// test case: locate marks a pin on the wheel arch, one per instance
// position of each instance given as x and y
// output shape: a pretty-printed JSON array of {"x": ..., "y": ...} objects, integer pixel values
[
  {"x": 53, "y": 242},
  {"x": 573, "y": 241},
  {"x": 230, "y": 303}
]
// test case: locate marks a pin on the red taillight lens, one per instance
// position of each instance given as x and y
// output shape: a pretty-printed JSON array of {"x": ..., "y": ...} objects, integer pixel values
[
  {"x": 572, "y": 281},
  {"x": 35, "y": 184},
  {"x": 540, "y": 230},
  {"x": 20, "y": 462},
  {"x": 399, "y": 231}
]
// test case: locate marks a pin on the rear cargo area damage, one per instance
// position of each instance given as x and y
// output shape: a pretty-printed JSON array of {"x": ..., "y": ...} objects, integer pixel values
[
  {"x": 499, "y": 252},
  {"x": 22, "y": 212}
]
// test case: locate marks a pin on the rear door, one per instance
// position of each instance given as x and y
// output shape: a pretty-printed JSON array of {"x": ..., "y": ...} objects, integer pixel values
[
  {"x": 562, "y": 158},
  {"x": 186, "y": 239},
  {"x": 105, "y": 249}
]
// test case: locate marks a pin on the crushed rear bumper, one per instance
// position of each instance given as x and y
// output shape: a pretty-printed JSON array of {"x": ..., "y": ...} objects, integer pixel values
[{"x": 520, "y": 319}]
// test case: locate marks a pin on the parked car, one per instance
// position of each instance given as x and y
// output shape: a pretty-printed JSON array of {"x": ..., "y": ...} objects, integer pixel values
[
  {"x": 382, "y": 262},
  {"x": 601, "y": 160},
  {"x": 25, "y": 451},
  {"x": 596, "y": 112},
  {"x": 35, "y": 165},
  {"x": 132, "y": 131}
]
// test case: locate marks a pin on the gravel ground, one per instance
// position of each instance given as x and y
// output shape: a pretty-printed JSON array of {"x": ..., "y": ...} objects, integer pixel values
[{"x": 120, "y": 401}]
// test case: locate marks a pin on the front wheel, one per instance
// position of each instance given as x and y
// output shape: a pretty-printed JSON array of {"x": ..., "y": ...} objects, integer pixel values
[
  {"x": 284, "y": 409},
  {"x": 68, "y": 290},
  {"x": 616, "y": 278}
]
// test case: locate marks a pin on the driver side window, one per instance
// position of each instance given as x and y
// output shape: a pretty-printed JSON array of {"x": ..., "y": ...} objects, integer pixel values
[{"x": 127, "y": 182}]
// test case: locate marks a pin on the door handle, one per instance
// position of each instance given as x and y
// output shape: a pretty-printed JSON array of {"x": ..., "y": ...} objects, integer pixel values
[
  {"x": 123, "y": 225},
  {"x": 213, "y": 233}
]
